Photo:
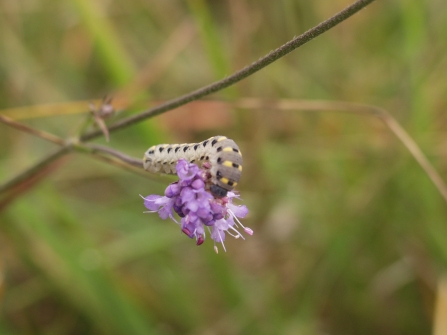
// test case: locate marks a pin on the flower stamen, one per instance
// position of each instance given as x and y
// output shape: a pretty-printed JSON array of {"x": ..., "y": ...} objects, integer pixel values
[
  {"x": 238, "y": 233},
  {"x": 248, "y": 230},
  {"x": 221, "y": 241}
]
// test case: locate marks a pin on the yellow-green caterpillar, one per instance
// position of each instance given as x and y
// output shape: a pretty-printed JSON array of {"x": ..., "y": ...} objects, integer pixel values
[{"x": 222, "y": 153}]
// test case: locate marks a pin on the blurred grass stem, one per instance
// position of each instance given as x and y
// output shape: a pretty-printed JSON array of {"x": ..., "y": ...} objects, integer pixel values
[
  {"x": 36, "y": 132},
  {"x": 339, "y": 106},
  {"x": 440, "y": 312}
]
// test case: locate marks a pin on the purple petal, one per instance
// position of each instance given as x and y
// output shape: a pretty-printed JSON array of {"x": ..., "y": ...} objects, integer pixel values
[
  {"x": 172, "y": 190},
  {"x": 218, "y": 216},
  {"x": 204, "y": 197},
  {"x": 204, "y": 213},
  {"x": 187, "y": 194},
  {"x": 192, "y": 205},
  {"x": 192, "y": 218},
  {"x": 217, "y": 208},
  {"x": 150, "y": 202},
  {"x": 178, "y": 210},
  {"x": 239, "y": 211},
  {"x": 232, "y": 195},
  {"x": 166, "y": 210},
  {"x": 198, "y": 184},
  {"x": 188, "y": 228},
  {"x": 185, "y": 211},
  {"x": 186, "y": 171},
  {"x": 217, "y": 234},
  {"x": 210, "y": 223},
  {"x": 200, "y": 230}
]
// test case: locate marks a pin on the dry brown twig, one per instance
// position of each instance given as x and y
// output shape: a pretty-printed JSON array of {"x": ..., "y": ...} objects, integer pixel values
[{"x": 33, "y": 131}]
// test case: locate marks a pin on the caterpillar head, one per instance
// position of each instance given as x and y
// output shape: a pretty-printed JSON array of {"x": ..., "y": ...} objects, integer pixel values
[{"x": 217, "y": 191}]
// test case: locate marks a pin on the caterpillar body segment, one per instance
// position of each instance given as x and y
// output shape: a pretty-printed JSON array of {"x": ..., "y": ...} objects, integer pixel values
[{"x": 222, "y": 153}]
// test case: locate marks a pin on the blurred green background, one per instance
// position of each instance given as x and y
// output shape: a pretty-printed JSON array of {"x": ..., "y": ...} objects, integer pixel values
[{"x": 350, "y": 234}]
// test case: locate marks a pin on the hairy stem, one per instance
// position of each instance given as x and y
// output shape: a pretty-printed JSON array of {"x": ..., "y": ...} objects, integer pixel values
[
  {"x": 119, "y": 159},
  {"x": 239, "y": 75},
  {"x": 119, "y": 163},
  {"x": 118, "y": 154}
]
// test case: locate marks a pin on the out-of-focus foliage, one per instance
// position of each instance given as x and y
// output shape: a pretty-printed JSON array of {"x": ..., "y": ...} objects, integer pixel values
[{"x": 350, "y": 234}]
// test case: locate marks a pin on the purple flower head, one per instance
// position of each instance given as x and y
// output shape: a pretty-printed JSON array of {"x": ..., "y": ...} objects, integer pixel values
[{"x": 198, "y": 209}]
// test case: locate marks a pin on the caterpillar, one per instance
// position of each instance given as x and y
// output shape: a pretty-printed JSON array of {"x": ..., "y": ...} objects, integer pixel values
[{"x": 222, "y": 153}]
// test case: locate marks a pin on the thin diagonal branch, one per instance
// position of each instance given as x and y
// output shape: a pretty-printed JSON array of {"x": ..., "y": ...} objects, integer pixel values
[
  {"x": 118, "y": 154},
  {"x": 123, "y": 165},
  {"x": 120, "y": 160},
  {"x": 238, "y": 76},
  {"x": 416, "y": 152},
  {"x": 36, "y": 132}
]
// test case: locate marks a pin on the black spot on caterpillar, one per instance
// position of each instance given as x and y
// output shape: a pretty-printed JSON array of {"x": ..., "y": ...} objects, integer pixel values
[{"x": 225, "y": 160}]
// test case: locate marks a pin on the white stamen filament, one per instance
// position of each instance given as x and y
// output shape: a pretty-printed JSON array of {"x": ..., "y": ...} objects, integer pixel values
[
  {"x": 238, "y": 233},
  {"x": 173, "y": 219},
  {"x": 230, "y": 233},
  {"x": 147, "y": 199},
  {"x": 221, "y": 240},
  {"x": 249, "y": 231},
  {"x": 235, "y": 217}
]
